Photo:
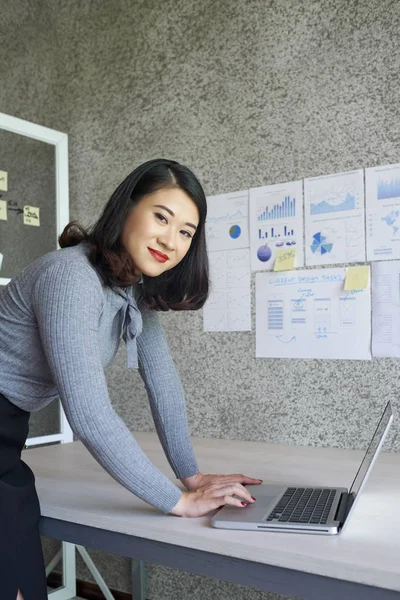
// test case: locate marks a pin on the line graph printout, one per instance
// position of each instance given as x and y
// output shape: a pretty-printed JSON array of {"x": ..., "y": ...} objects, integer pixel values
[
  {"x": 275, "y": 222},
  {"x": 308, "y": 314},
  {"x": 335, "y": 218},
  {"x": 227, "y": 226},
  {"x": 228, "y": 307},
  {"x": 382, "y": 185},
  {"x": 386, "y": 308}
]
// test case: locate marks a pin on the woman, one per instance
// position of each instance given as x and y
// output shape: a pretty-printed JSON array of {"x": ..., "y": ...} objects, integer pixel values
[{"x": 61, "y": 322}]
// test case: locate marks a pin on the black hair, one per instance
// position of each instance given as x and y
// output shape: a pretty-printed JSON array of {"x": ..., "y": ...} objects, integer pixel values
[{"x": 185, "y": 286}]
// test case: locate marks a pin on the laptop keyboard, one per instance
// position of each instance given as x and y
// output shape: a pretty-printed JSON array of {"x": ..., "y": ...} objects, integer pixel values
[{"x": 303, "y": 505}]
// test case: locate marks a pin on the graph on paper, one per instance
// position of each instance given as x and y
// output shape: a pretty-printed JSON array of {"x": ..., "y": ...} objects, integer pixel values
[
  {"x": 275, "y": 232},
  {"x": 275, "y": 221},
  {"x": 320, "y": 244},
  {"x": 388, "y": 189},
  {"x": 287, "y": 208},
  {"x": 334, "y": 204},
  {"x": 228, "y": 307},
  {"x": 382, "y": 185},
  {"x": 335, "y": 218},
  {"x": 227, "y": 225}
]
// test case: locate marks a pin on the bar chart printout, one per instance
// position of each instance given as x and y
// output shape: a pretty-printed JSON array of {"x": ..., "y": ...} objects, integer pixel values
[
  {"x": 335, "y": 218},
  {"x": 275, "y": 221},
  {"x": 382, "y": 188},
  {"x": 287, "y": 208}
]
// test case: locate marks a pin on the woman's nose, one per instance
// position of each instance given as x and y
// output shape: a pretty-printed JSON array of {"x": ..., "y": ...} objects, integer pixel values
[{"x": 167, "y": 240}]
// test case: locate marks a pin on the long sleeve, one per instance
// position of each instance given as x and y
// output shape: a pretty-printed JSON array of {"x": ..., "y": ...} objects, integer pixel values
[
  {"x": 166, "y": 396},
  {"x": 68, "y": 301}
]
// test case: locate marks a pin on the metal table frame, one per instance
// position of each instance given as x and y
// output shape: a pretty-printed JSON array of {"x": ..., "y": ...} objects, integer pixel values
[{"x": 265, "y": 577}]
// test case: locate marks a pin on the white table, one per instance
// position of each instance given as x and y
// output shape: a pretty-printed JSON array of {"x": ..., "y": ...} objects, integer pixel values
[{"x": 82, "y": 504}]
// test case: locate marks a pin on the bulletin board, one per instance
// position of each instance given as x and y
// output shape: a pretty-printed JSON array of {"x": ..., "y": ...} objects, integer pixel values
[
  {"x": 34, "y": 209},
  {"x": 28, "y": 220}
]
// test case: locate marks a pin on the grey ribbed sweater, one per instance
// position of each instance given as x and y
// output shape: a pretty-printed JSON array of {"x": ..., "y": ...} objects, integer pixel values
[{"x": 59, "y": 328}]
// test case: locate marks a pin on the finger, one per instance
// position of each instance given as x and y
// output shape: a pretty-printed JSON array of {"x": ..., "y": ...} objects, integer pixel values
[
  {"x": 232, "y": 501},
  {"x": 251, "y": 481},
  {"x": 248, "y": 480},
  {"x": 214, "y": 503},
  {"x": 233, "y": 489},
  {"x": 230, "y": 479},
  {"x": 239, "y": 477},
  {"x": 221, "y": 483}
]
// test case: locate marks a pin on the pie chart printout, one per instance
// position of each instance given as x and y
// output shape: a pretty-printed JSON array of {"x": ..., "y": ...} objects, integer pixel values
[
  {"x": 320, "y": 245},
  {"x": 235, "y": 231}
]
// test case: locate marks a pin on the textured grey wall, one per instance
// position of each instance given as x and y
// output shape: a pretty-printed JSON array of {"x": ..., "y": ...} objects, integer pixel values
[{"x": 246, "y": 93}]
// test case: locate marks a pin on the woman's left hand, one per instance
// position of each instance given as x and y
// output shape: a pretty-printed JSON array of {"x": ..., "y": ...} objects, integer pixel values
[{"x": 200, "y": 479}]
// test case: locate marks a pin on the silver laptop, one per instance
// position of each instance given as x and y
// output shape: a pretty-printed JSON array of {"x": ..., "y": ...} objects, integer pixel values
[{"x": 306, "y": 509}]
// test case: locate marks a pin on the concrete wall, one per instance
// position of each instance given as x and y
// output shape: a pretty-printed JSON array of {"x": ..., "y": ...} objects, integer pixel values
[{"x": 246, "y": 93}]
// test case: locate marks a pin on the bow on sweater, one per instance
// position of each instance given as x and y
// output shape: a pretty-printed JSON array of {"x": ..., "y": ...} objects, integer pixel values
[{"x": 131, "y": 327}]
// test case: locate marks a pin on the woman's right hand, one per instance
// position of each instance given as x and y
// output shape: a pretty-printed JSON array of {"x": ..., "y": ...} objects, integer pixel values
[{"x": 209, "y": 497}]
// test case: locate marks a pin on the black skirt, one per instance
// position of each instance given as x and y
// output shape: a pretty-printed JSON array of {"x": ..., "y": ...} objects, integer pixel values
[{"x": 21, "y": 557}]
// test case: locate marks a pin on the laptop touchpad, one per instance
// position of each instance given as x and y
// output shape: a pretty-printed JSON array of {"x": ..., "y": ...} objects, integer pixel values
[{"x": 257, "y": 511}]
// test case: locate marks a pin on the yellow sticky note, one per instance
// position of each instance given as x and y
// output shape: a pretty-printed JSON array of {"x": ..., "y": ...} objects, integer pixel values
[
  {"x": 31, "y": 215},
  {"x": 3, "y": 181},
  {"x": 284, "y": 260},
  {"x": 356, "y": 278},
  {"x": 3, "y": 210}
]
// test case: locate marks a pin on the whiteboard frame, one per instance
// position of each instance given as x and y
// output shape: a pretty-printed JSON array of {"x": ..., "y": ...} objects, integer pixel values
[{"x": 60, "y": 142}]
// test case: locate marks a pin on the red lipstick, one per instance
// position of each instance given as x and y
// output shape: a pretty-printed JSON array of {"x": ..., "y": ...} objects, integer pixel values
[{"x": 162, "y": 258}]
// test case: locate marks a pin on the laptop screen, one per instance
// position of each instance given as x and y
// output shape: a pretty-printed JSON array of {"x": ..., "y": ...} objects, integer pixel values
[{"x": 373, "y": 448}]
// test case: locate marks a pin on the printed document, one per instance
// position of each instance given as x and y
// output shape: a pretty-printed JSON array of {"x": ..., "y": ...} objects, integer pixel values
[
  {"x": 308, "y": 314},
  {"x": 335, "y": 218},
  {"x": 227, "y": 225},
  {"x": 386, "y": 309},
  {"x": 382, "y": 185},
  {"x": 275, "y": 222},
  {"x": 228, "y": 307}
]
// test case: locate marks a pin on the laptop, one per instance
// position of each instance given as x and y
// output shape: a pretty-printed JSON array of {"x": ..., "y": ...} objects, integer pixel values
[{"x": 304, "y": 509}]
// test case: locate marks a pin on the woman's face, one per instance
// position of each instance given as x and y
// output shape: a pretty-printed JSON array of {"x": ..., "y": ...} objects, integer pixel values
[{"x": 159, "y": 230}]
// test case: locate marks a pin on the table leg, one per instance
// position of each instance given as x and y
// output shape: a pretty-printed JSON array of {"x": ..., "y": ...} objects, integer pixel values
[{"x": 138, "y": 580}]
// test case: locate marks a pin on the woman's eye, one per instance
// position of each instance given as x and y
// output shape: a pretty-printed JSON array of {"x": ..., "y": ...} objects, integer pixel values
[
  {"x": 161, "y": 217},
  {"x": 187, "y": 234}
]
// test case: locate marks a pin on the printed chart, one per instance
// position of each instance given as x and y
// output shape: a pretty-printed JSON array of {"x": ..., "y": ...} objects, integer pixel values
[
  {"x": 276, "y": 221},
  {"x": 227, "y": 221},
  {"x": 382, "y": 186},
  {"x": 386, "y": 308},
  {"x": 228, "y": 307},
  {"x": 335, "y": 218},
  {"x": 308, "y": 314}
]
